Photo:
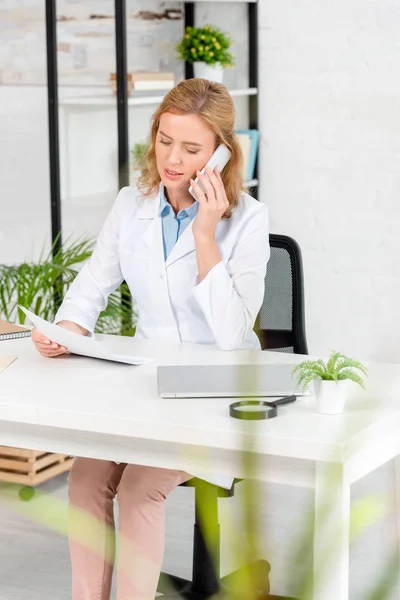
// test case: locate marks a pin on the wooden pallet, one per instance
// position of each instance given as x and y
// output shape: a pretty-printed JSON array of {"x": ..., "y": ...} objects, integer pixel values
[{"x": 31, "y": 467}]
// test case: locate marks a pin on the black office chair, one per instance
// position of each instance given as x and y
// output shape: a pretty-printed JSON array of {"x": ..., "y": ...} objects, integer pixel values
[
  {"x": 281, "y": 323},
  {"x": 280, "y": 326}
]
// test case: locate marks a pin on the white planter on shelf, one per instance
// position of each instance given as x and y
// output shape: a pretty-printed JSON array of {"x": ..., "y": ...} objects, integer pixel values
[
  {"x": 210, "y": 72},
  {"x": 330, "y": 396}
]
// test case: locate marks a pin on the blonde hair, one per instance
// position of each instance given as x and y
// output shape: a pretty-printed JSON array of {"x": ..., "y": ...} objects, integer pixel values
[{"x": 213, "y": 103}]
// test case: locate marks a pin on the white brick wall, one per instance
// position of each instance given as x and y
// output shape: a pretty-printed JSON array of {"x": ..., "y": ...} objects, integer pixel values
[
  {"x": 330, "y": 120},
  {"x": 330, "y": 123}
]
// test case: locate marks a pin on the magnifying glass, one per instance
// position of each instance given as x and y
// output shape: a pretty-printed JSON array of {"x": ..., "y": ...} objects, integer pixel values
[{"x": 254, "y": 410}]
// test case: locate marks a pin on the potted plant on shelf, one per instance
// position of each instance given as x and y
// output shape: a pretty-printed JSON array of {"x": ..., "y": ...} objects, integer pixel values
[
  {"x": 207, "y": 48},
  {"x": 138, "y": 153},
  {"x": 330, "y": 380},
  {"x": 138, "y": 156}
]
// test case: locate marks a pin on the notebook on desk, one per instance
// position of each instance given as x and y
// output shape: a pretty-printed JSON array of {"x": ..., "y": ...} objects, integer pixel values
[
  {"x": 9, "y": 331},
  {"x": 230, "y": 381},
  {"x": 6, "y": 361}
]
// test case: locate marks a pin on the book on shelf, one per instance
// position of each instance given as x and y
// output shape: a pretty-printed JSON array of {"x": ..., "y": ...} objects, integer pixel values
[
  {"x": 249, "y": 141},
  {"x": 245, "y": 144},
  {"x": 9, "y": 331},
  {"x": 141, "y": 81}
]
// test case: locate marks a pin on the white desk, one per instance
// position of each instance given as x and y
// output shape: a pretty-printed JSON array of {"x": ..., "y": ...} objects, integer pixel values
[{"x": 111, "y": 411}]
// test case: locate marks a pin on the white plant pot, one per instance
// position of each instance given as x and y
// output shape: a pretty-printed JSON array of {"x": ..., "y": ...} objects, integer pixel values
[
  {"x": 330, "y": 396},
  {"x": 210, "y": 72}
]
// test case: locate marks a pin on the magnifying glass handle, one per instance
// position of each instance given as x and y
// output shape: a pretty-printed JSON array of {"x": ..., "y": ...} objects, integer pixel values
[{"x": 285, "y": 400}]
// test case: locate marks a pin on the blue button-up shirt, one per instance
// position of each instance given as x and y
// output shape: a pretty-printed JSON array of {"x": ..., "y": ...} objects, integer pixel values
[{"x": 173, "y": 225}]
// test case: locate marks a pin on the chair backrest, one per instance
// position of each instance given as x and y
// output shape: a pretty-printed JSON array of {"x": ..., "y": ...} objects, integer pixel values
[{"x": 281, "y": 323}]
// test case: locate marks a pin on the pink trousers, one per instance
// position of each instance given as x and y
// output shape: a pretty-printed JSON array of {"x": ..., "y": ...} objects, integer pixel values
[{"x": 141, "y": 492}]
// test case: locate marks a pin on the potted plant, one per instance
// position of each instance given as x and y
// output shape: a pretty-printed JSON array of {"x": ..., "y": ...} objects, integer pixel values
[
  {"x": 137, "y": 163},
  {"x": 138, "y": 153},
  {"x": 38, "y": 284},
  {"x": 330, "y": 380},
  {"x": 207, "y": 48}
]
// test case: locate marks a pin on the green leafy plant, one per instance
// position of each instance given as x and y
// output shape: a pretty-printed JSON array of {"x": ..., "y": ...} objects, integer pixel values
[
  {"x": 336, "y": 368},
  {"x": 138, "y": 154},
  {"x": 38, "y": 285},
  {"x": 205, "y": 44}
]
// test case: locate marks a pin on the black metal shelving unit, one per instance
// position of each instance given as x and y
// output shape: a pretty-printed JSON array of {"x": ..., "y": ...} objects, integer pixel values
[
  {"x": 122, "y": 97},
  {"x": 252, "y": 9},
  {"x": 53, "y": 128},
  {"x": 122, "y": 92},
  {"x": 53, "y": 121}
]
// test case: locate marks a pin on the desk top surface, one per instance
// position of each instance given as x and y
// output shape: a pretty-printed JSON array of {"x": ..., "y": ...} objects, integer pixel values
[{"x": 84, "y": 394}]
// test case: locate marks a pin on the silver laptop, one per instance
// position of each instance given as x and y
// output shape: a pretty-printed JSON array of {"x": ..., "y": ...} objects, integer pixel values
[{"x": 231, "y": 381}]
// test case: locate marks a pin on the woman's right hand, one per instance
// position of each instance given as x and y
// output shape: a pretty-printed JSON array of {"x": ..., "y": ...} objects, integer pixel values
[{"x": 50, "y": 349}]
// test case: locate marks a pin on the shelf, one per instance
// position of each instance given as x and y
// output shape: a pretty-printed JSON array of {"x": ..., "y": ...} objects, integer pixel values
[
  {"x": 251, "y": 184},
  {"x": 137, "y": 99},
  {"x": 244, "y": 92}
]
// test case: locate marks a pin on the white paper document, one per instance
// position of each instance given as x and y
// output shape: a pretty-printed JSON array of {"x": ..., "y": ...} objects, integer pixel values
[{"x": 80, "y": 344}]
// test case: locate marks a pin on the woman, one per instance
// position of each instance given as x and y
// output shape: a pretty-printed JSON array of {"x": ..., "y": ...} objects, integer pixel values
[{"x": 196, "y": 271}]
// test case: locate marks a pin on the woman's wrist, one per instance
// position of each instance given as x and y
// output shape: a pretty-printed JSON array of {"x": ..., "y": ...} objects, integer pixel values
[
  {"x": 204, "y": 237},
  {"x": 72, "y": 326},
  {"x": 207, "y": 253}
]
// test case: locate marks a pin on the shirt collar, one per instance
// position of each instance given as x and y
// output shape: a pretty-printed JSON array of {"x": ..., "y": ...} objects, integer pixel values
[{"x": 165, "y": 206}]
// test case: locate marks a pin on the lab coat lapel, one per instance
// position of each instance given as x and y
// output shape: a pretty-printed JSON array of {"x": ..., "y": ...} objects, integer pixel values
[
  {"x": 184, "y": 245},
  {"x": 152, "y": 237}
]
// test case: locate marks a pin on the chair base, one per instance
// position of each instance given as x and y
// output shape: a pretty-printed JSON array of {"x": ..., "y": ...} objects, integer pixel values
[{"x": 176, "y": 588}]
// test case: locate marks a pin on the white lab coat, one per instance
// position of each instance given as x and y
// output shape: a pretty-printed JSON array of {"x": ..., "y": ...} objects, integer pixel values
[{"x": 171, "y": 303}]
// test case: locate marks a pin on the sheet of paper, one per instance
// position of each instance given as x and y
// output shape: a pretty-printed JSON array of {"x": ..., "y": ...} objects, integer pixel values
[
  {"x": 79, "y": 344},
  {"x": 5, "y": 361}
]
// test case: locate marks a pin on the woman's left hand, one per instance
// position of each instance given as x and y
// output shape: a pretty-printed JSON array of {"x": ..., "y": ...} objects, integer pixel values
[{"x": 212, "y": 204}]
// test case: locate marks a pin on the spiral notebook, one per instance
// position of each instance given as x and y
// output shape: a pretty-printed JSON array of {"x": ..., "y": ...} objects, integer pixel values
[{"x": 9, "y": 331}]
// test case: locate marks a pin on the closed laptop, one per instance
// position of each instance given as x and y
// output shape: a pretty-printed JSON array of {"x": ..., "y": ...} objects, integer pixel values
[{"x": 204, "y": 381}]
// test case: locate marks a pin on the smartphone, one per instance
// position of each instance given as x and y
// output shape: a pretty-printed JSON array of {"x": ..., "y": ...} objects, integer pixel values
[{"x": 219, "y": 159}]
